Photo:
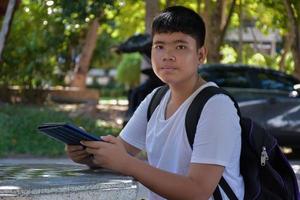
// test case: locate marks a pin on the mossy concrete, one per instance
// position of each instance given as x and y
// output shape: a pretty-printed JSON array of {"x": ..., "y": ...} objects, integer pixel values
[{"x": 59, "y": 181}]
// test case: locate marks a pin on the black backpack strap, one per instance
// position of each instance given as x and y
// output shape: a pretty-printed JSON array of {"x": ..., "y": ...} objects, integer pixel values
[
  {"x": 155, "y": 101},
  {"x": 217, "y": 194},
  {"x": 227, "y": 189},
  {"x": 194, "y": 111},
  {"x": 191, "y": 120}
]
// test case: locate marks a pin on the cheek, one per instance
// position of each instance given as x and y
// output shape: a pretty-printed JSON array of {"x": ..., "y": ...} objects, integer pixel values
[
  {"x": 154, "y": 58},
  {"x": 189, "y": 58}
]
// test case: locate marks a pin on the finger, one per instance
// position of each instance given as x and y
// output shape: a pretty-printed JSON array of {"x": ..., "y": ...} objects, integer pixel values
[
  {"x": 73, "y": 148},
  {"x": 99, "y": 162},
  {"x": 81, "y": 158},
  {"x": 92, "y": 150},
  {"x": 91, "y": 144},
  {"x": 110, "y": 139},
  {"x": 97, "y": 152},
  {"x": 79, "y": 153}
]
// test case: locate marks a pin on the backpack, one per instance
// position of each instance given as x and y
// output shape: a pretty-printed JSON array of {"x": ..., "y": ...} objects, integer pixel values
[{"x": 266, "y": 172}]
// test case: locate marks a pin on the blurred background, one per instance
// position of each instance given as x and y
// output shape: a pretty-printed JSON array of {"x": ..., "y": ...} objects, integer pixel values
[{"x": 59, "y": 63}]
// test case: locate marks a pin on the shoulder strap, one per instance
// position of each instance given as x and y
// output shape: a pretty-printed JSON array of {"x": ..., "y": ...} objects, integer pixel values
[
  {"x": 191, "y": 120},
  {"x": 155, "y": 101},
  {"x": 226, "y": 188},
  {"x": 194, "y": 111}
]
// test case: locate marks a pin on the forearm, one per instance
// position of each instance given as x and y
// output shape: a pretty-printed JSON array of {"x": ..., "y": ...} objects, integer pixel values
[
  {"x": 167, "y": 185},
  {"x": 131, "y": 150}
]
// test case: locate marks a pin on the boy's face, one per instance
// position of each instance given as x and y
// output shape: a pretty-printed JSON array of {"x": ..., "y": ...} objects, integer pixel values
[{"x": 175, "y": 57}]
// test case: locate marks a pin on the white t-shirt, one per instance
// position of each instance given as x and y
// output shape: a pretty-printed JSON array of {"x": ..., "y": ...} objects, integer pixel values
[{"x": 217, "y": 139}]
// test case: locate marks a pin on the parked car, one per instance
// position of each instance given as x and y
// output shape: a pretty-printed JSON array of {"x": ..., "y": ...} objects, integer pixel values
[{"x": 269, "y": 97}]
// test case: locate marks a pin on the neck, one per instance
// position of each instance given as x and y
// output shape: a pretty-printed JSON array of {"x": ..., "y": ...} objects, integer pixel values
[{"x": 180, "y": 93}]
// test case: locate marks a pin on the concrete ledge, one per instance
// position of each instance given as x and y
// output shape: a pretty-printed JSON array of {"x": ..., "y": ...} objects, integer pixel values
[
  {"x": 75, "y": 95},
  {"x": 53, "y": 182},
  {"x": 39, "y": 96}
]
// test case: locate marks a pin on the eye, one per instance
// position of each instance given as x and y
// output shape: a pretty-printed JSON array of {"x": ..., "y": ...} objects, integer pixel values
[
  {"x": 157, "y": 46},
  {"x": 181, "y": 47}
]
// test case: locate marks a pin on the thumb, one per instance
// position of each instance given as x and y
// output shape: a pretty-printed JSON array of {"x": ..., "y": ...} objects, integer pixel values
[{"x": 109, "y": 138}]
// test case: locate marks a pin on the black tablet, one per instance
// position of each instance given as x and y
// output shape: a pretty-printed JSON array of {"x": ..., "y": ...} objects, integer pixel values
[{"x": 66, "y": 133}]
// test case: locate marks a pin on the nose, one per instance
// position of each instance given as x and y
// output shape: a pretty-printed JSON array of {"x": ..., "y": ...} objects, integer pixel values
[{"x": 169, "y": 56}]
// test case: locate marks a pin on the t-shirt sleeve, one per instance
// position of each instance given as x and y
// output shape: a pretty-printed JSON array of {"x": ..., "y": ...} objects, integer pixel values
[
  {"x": 134, "y": 133},
  {"x": 218, "y": 132}
]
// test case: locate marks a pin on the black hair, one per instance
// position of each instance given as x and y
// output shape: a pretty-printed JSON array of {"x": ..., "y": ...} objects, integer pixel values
[{"x": 180, "y": 19}]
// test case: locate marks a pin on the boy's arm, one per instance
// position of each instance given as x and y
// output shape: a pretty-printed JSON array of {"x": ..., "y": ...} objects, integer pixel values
[
  {"x": 200, "y": 183},
  {"x": 129, "y": 148}
]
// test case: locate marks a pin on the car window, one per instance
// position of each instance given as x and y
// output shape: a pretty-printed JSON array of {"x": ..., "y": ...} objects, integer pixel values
[
  {"x": 275, "y": 81},
  {"x": 227, "y": 77}
]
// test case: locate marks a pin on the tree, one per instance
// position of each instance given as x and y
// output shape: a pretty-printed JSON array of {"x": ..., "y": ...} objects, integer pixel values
[
  {"x": 81, "y": 12},
  {"x": 128, "y": 70},
  {"x": 91, "y": 38},
  {"x": 50, "y": 34},
  {"x": 293, "y": 14},
  {"x": 81, "y": 68},
  {"x": 217, "y": 22},
  {"x": 11, "y": 5},
  {"x": 152, "y": 8},
  {"x": 35, "y": 39},
  {"x": 284, "y": 17}
]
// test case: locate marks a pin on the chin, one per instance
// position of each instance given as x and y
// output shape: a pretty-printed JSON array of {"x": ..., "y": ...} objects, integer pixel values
[{"x": 169, "y": 81}]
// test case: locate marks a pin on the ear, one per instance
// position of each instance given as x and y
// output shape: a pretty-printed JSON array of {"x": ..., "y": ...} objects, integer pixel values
[{"x": 202, "y": 53}]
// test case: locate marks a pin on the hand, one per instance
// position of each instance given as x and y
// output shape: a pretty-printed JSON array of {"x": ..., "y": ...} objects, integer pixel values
[
  {"x": 110, "y": 154},
  {"x": 78, "y": 154}
]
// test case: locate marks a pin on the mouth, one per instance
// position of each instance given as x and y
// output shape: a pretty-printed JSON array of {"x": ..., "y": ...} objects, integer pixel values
[{"x": 168, "y": 68}]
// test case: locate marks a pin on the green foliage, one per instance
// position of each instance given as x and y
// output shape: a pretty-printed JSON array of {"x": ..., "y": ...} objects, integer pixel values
[
  {"x": 27, "y": 58},
  {"x": 289, "y": 64},
  {"x": 19, "y": 135},
  {"x": 272, "y": 61},
  {"x": 44, "y": 39},
  {"x": 127, "y": 18},
  {"x": 257, "y": 59},
  {"x": 46, "y": 36},
  {"x": 113, "y": 90},
  {"x": 104, "y": 57},
  {"x": 229, "y": 54},
  {"x": 128, "y": 71}
]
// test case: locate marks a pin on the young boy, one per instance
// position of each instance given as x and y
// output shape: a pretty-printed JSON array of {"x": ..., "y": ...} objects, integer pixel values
[{"x": 175, "y": 171}]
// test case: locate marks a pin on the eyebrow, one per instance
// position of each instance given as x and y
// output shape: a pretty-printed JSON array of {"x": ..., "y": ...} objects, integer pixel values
[{"x": 174, "y": 42}]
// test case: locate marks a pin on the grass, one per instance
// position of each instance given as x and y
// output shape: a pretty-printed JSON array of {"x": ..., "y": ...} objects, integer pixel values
[{"x": 19, "y": 135}]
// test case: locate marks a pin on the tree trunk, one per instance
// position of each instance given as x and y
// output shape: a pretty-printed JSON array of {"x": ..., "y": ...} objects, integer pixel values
[
  {"x": 240, "y": 34},
  {"x": 82, "y": 67},
  {"x": 286, "y": 49},
  {"x": 216, "y": 26},
  {"x": 296, "y": 55},
  {"x": 294, "y": 20},
  {"x": 199, "y": 6},
  {"x": 6, "y": 24},
  {"x": 170, "y": 3},
  {"x": 152, "y": 8}
]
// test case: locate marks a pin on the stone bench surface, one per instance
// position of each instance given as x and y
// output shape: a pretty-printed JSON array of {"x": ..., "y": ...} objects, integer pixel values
[{"x": 56, "y": 181}]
